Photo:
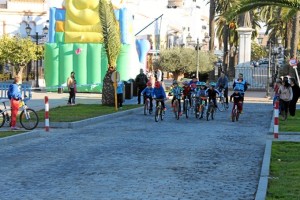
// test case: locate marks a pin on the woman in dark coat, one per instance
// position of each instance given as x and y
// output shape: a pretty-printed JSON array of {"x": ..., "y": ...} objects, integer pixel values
[{"x": 296, "y": 94}]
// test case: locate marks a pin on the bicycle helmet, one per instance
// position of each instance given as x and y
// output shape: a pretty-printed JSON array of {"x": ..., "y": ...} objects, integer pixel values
[
  {"x": 198, "y": 83},
  {"x": 157, "y": 84},
  {"x": 149, "y": 83},
  {"x": 203, "y": 84},
  {"x": 212, "y": 84},
  {"x": 193, "y": 86},
  {"x": 185, "y": 83}
]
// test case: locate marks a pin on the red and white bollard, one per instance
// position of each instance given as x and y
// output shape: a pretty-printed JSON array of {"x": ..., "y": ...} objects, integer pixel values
[
  {"x": 276, "y": 119},
  {"x": 46, "y": 114}
]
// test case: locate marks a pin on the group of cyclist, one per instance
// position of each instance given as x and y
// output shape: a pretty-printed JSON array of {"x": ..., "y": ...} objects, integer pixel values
[{"x": 203, "y": 91}]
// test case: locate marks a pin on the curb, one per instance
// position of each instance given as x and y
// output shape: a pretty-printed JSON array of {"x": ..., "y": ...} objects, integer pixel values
[
  {"x": 264, "y": 174},
  {"x": 65, "y": 125}
]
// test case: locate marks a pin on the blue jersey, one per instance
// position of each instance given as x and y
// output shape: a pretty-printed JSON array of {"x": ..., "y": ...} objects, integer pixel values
[
  {"x": 159, "y": 93},
  {"x": 240, "y": 85},
  {"x": 177, "y": 92},
  {"x": 147, "y": 91},
  {"x": 120, "y": 87}
]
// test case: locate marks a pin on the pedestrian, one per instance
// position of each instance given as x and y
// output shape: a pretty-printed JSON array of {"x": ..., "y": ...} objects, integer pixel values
[
  {"x": 15, "y": 95},
  {"x": 276, "y": 86},
  {"x": 120, "y": 88},
  {"x": 222, "y": 84},
  {"x": 141, "y": 81},
  {"x": 285, "y": 95},
  {"x": 71, "y": 83},
  {"x": 296, "y": 94},
  {"x": 158, "y": 75}
]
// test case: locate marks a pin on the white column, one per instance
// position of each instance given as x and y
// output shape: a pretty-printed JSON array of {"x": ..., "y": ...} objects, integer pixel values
[{"x": 244, "y": 44}]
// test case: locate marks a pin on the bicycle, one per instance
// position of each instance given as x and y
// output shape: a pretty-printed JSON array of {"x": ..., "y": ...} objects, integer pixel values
[
  {"x": 235, "y": 112},
  {"x": 186, "y": 106},
  {"x": 176, "y": 108},
  {"x": 202, "y": 107},
  {"x": 211, "y": 110},
  {"x": 147, "y": 106},
  {"x": 193, "y": 102},
  {"x": 222, "y": 106},
  {"x": 28, "y": 117},
  {"x": 159, "y": 112}
]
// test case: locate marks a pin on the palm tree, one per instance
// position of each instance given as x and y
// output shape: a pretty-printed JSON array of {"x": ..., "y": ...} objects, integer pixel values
[
  {"x": 112, "y": 46},
  {"x": 256, "y": 4}
]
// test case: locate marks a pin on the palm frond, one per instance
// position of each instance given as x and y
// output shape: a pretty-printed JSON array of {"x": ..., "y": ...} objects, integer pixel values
[{"x": 110, "y": 30}]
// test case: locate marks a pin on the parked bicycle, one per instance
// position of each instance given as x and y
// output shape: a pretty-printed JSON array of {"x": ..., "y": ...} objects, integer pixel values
[
  {"x": 211, "y": 111},
  {"x": 28, "y": 117},
  {"x": 159, "y": 111}
]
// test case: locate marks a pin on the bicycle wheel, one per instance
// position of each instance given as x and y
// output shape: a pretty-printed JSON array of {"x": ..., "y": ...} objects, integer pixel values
[
  {"x": 2, "y": 118},
  {"x": 208, "y": 113},
  {"x": 186, "y": 110},
  {"x": 29, "y": 119},
  {"x": 157, "y": 111},
  {"x": 233, "y": 114},
  {"x": 162, "y": 114},
  {"x": 176, "y": 109},
  {"x": 213, "y": 113},
  {"x": 237, "y": 115},
  {"x": 197, "y": 111},
  {"x": 146, "y": 107},
  {"x": 222, "y": 105}
]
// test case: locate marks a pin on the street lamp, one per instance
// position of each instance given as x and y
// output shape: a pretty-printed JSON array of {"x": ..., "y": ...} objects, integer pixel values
[
  {"x": 198, "y": 47},
  {"x": 273, "y": 52},
  {"x": 45, "y": 32}
]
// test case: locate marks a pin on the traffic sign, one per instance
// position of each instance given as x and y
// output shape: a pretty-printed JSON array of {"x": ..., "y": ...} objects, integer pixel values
[
  {"x": 115, "y": 76},
  {"x": 293, "y": 62}
]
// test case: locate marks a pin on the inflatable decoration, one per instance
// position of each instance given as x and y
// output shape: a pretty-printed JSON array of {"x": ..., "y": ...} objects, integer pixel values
[
  {"x": 75, "y": 43},
  {"x": 78, "y": 51},
  {"x": 143, "y": 46}
]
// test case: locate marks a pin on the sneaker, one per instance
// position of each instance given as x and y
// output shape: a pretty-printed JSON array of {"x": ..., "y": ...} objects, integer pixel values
[
  {"x": 165, "y": 109},
  {"x": 201, "y": 117},
  {"x": 13, "y": 128}
]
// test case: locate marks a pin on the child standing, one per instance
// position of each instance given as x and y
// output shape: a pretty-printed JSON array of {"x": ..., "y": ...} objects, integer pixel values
[{"x": 120, "y": 94}]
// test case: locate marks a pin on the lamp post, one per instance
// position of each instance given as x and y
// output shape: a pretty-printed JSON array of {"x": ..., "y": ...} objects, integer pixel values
[
  {"x": 198, "y": 47},
  {"x": 36, "y": 36},
  {"x": 273, "y": 52}
]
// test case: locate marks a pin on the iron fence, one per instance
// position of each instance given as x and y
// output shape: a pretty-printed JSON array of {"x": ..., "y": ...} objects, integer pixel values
[{"x": 257, "y": 77}]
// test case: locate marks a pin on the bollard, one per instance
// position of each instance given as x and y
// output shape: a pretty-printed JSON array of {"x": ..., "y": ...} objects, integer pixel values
[
  {"x": 276, "y": 119},
  {"x": 46, "y": 114}
]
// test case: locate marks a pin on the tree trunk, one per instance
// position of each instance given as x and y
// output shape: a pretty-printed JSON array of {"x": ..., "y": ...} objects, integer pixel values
[
  {"x": 295, "y": 36},
  {"x": 108, "y": 92},
  {"x": 225, "y": 47},
  {"x": 212, "y": 13}
]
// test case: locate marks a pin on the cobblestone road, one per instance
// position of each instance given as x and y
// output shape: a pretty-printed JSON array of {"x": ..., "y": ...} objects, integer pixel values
[{"x": 136, "y": 158}]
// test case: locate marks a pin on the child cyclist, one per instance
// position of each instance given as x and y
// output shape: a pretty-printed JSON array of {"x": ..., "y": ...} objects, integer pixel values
[
  {"x": 176, "y": 92},
  {"x": 159, "y": 93},
  {"x": 237, "y": 99},
  {"x": 147, "y": 93},
  {"x": 212, "y": 93},
  {"x": 201, "y": 94},
  {"x": 186, "y": 92}
]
